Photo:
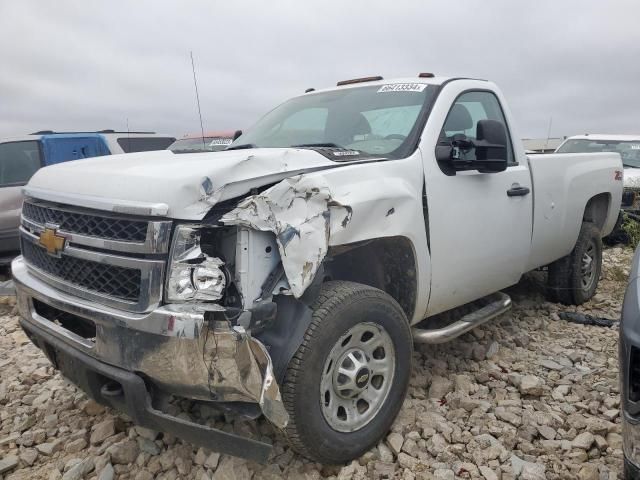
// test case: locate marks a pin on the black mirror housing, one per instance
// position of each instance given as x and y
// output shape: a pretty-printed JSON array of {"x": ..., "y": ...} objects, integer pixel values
[
  {"x": 490, "y": 150},
  {"x": 491, "y": 146}
]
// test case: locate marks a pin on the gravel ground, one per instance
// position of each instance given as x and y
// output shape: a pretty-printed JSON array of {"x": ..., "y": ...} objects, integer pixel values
[{"x": 530, "y": 396}]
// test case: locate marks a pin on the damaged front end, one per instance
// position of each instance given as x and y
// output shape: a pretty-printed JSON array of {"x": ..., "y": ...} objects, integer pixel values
[
  {"x": 218, "y": 313},
  {"x": 213, "y": 361},
  {"x": 299, "y": 211},
  {"x": 135, "y": 362}
]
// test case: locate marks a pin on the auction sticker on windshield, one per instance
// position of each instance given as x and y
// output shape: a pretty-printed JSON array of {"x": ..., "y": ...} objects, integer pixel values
[
  {"x": 221, "y": 141},
  {"x": 403, "y": 87},
  {"x": 345, "y": 153}
]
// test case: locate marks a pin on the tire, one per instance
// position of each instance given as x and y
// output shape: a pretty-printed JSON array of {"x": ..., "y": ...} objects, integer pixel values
[
  {"x": 573, "y": 279},
  {"x": 347, "y": 316}
]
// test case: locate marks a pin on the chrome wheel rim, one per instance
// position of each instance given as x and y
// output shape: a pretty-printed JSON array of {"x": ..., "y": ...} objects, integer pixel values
[
  {"x": 588, "y": 266},
  {"x": 357, "y": 377}
]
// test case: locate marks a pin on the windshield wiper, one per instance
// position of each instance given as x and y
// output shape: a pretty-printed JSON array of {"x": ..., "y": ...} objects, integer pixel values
[
  {"x": 242, "y": 146},
  {"x": 319, "y": 145},
  {"x": 629, "y": 165}
]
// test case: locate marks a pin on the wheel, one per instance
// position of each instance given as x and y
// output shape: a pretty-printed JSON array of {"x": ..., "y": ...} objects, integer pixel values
[
  {"x": 573, "y": 279},
  {"x": 347, "y": 381}
]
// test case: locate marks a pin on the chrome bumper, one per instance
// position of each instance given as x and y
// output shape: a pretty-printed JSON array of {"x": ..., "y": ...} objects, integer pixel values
[{"x": 173, "y": 346}]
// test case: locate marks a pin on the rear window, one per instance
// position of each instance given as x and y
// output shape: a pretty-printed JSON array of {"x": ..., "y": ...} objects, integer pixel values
[
  {"x": 18, "y": 162},
  {"x": 144, "y": 144}
]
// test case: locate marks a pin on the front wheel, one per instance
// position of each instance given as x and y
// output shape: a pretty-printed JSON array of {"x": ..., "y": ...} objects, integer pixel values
[
  {"x": 573, "y": 279},
  {"x": 346, "y": 383}
]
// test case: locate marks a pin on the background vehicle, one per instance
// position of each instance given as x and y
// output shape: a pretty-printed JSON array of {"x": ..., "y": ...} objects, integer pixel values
[
  {"x": 628, "y": 146},
  {"x": 21, "y": 157},
  {"x": 295, "y": 271},
  {"x": 211, "y": 142},
  {"x": 629, "y": 358}
]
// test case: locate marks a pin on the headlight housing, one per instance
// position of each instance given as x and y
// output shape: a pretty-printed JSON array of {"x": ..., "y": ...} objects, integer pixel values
[{"x": 193, "y": 275}]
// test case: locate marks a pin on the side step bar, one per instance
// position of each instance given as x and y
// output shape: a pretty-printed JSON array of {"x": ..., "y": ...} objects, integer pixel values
[{"x": 499, "y": 303}]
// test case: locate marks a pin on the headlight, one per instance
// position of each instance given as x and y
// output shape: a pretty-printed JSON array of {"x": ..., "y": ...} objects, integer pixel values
[{"x": 193, "y": 275}]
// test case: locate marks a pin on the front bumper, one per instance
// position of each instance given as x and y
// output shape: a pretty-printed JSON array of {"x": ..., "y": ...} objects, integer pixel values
[
  {"x": 176, "y": 349},
  {"x": 127, "y": 392}
]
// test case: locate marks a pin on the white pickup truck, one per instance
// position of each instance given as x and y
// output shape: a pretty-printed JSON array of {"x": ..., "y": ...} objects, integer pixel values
[{"x": 290, "y": 275}]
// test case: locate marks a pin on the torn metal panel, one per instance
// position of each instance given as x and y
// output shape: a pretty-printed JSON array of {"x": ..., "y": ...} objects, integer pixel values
[
  {"x": 299, "y": 211},
  {"x": 218, "y": 363}
]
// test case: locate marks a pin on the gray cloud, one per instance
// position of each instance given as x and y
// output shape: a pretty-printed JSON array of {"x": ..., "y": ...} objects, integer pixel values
[{"x": 87, "y": 65}]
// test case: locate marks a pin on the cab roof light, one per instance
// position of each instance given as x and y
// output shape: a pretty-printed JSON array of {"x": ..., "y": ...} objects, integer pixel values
[
  {"x": 426, "y": 75},
  {"x": 359, "y": 80},
  {"x": 310, "y": 90}
]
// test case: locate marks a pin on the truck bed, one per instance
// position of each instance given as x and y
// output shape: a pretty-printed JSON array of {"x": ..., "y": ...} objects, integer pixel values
[{"x": 564, "y": 183}]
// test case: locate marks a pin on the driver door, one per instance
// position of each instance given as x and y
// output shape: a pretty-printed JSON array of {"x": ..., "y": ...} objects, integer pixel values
[{"x": 480, "y": 233}]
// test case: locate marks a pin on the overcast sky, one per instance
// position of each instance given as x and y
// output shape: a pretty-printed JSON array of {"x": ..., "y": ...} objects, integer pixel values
[{"x": 80, "y": 65}]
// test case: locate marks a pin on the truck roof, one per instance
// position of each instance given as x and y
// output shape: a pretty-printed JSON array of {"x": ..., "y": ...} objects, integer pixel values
[{"x": 387, "y": 81}]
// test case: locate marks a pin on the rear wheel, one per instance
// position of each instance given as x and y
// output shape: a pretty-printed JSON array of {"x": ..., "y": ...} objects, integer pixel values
[
  {"x": 347, "y": 381},
  {"x": 573, "y": 279}
]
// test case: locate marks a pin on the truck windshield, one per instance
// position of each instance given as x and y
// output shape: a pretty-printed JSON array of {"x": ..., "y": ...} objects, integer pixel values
[
  {"x": 628, "y": 150},
  {"x": 372, "y": 120}
]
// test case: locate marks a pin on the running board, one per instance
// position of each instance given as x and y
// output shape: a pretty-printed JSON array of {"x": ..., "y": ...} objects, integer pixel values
[{"x": 499, "y": 303}]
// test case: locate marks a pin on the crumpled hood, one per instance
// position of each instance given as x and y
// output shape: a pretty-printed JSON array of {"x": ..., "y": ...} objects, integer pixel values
[
  {"x": 185, "y": 186},
  {"x": 632, "y": 177}
]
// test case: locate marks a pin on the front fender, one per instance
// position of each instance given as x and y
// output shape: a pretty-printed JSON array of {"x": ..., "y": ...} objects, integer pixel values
[{"x": 310, "y": 212}]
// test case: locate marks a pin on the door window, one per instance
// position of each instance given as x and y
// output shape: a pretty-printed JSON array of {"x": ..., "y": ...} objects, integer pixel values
[
  {"x": 18, "y": 162},
  {"x": 468, "y": 109}
]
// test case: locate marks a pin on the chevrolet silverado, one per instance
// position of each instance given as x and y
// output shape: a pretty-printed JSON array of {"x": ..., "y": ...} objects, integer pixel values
[{"x": 290, "y": 275}]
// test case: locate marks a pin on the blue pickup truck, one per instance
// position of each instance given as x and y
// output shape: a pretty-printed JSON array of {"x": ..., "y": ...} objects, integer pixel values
[{"x": 21, "y": 157}]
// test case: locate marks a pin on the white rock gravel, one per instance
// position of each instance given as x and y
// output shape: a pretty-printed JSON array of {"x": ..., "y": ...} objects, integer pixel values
[{"x": 529, "y": 396}]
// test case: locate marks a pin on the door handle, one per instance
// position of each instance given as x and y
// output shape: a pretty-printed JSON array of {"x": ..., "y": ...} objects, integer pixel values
[{"x": 518, "y": 191}]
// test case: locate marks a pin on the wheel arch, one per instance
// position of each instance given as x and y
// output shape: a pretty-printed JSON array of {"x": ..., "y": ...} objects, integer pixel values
[
  {"x": 387, "y": 263},
  {"x": 596, "y": 210}
]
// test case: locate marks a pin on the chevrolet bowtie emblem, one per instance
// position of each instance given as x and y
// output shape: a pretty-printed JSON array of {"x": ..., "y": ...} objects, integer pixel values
[{"x": 51, "y": 241}]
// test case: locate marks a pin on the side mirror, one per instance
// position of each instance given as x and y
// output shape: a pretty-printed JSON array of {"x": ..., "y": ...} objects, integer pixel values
[
  {"x": 490, "y": 150},
  {"x": 491, "y": 146},
  {"x": 236, "y": 134}
]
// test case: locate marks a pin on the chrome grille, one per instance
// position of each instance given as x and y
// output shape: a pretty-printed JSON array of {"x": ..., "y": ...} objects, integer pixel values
[
  {"x": 93, "y": 225},
  {"x": 112, "y": 259},
  {"x": 111, "y": 280}
]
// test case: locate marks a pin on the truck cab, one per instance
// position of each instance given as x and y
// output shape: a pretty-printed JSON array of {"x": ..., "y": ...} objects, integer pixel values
[
  {"x": 21, "y": 157},
  {"x": 294, "y": 271}
]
